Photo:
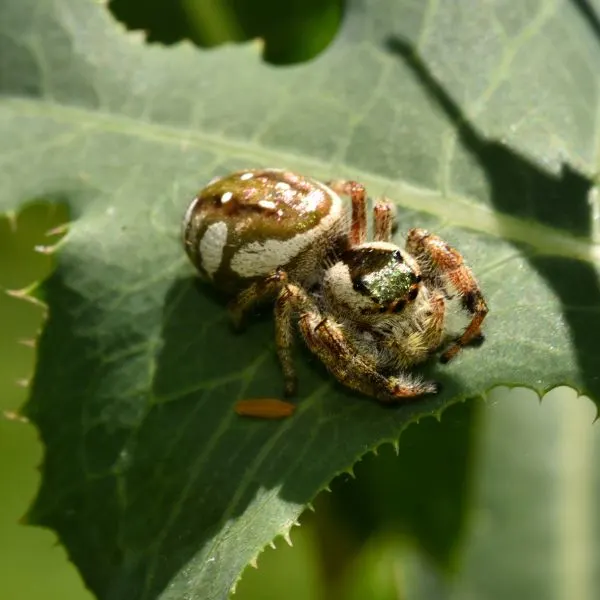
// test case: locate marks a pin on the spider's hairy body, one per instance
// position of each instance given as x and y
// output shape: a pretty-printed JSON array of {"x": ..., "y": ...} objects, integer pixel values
[{"x": 369, "y": 310}]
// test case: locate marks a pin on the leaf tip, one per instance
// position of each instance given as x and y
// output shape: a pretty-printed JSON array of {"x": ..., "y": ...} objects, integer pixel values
[
  {"x": 28, "y": 343},
  {"x": 28, "y": 294},
  {"x": 12, "y": 415},
  {"x": 47, "y": 250},
  {"x": 58, "y": 230},
  {"x": 11, "y": 217},
  {"x": 350, "y": 471},
  {"x": 258, "y": 44}
]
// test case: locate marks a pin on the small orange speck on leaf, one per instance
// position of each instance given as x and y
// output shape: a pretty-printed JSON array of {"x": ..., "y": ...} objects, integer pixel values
[{"x": 264, "y": 408}]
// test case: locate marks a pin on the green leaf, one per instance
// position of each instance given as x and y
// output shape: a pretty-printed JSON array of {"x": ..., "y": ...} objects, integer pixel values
[
  {"x": 521, "y": 484},
  {"x": 422, "y": 489},
  {"x": 479, "y": 123},
  {"x": 533, "y": 500},
  {"x": 532, "y": 530}
]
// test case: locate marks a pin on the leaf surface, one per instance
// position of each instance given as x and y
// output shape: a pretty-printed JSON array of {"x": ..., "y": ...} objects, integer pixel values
[
  {"x": 155, "y": 486},
  {"x": 527, "y": 473}
]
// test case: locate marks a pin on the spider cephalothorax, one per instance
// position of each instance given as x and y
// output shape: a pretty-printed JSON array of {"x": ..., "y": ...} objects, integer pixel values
[
  {"x": 371, "y": 279},
  {"x": 369, "y": 310}
]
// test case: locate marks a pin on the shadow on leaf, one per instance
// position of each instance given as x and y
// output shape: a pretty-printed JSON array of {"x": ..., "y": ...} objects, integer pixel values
[
  {"x": 521, "y": 189},
  {"x": 199, "y": 466},
  {"x": 590, "y": 15}
]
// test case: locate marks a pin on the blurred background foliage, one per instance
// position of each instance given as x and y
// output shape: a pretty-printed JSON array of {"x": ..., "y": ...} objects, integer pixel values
[
  {"x": 292, "y": 31},
  {"x": 355, "y": 543}
]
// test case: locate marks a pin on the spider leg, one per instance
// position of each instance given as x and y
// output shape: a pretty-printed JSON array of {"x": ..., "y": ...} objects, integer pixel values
[
  {"x": 284, "y": 337},
  {"x": 257, "y": 292},
  {"x": 358, "y": 195},
  {"x": 434, "y": 329},
  {"x": 436, "y": 257},
  {"x": 384, "y": 220},
  {"x": 326, "y": 339}
]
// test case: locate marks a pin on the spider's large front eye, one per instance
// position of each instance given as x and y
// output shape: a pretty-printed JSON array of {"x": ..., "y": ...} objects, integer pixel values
[{"x": 359, "y": 286}]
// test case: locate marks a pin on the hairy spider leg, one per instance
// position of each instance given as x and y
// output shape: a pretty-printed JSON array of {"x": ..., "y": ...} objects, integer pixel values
[
  {"x": 436, "y": 257},
  {"x": 434, "y": 330},
  {"x": 384, "y": 220},
  {"x": 284, "y": 336},
  {"x": 326, "y": 339},
  {"x": 416, "y": 346},
  {"x": 358, "y": 196}
]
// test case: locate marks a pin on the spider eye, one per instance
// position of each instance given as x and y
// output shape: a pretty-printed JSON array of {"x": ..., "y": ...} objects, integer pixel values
[
  {"x": 399, "y": 306},
  {"x": 413, "y": 293},
  {"x": 398, "y": 256},
  {"x": 360, "y": 287},
  {"x": 418, "y": 278}
]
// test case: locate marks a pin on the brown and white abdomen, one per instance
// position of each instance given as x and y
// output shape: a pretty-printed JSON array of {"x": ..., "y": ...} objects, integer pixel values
[{"x": 243, "y": 226}]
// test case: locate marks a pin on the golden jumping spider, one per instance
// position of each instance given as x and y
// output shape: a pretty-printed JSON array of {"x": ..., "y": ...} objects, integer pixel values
[{"x": 368, "y": 310}]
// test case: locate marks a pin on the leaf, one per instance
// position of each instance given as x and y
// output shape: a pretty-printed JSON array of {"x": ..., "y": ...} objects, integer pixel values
[
  {"x": 532, "y": 508},
  {"x": 520, "y": 484},
  {"x": 154, "y": 485},
  {"x": 532, "y": 532},
  {"x": 422, "y": 490}
]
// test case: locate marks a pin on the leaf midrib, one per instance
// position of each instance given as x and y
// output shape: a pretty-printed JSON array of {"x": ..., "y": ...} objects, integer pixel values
[{"x": 461, "y": 211}]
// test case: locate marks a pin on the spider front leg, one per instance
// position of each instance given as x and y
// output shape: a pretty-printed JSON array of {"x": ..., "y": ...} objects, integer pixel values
[
  {"x": 326, "y": 339},
  {"x": 436, "y": 257},
  {"x": 384, "y": 214},
  {"x": 417, "y": 345},
  {"x": 358, "y": 196}
]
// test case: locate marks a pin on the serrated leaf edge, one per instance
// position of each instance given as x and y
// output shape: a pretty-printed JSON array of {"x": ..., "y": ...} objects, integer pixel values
[
  {"x": 285, "y": 533},
  {"x": 31, "y": 294}
]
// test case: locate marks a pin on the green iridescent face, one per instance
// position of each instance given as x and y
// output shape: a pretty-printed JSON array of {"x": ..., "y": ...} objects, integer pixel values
[{"x": 384, "y": 276}]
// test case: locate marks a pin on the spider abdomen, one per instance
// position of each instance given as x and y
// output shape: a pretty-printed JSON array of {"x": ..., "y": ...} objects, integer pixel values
[{"x": 243, "y": 226}]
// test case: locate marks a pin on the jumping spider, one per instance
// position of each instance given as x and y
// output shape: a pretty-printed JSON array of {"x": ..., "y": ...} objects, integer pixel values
[{"x": 368, "y": 309}]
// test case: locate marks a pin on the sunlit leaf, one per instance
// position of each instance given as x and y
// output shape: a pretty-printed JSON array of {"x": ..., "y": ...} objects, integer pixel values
[{"x": 479, "y": 123}]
